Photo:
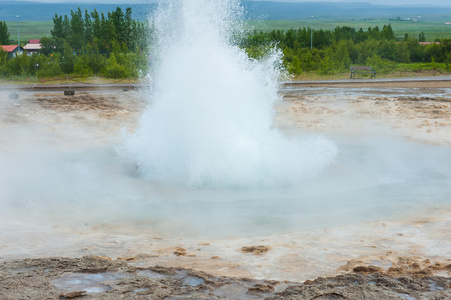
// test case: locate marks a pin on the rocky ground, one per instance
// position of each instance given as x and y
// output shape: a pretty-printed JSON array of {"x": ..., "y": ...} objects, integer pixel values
[
  {"x": 366, "y": 263},
  {"x": 94, "y": 277}
]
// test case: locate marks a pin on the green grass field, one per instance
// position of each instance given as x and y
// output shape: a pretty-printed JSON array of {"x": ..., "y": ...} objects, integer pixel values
[
  {"x": 431, "y": 29},
  {"x": 29, "y": 30}
]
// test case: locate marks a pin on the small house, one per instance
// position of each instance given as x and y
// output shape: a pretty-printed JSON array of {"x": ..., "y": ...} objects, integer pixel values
[
  {"x": 33, "y": 47},
  {"x": 13, "y": 50}
]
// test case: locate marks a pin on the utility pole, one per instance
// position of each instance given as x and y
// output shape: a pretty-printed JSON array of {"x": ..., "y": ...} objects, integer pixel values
[
  {"x": 311, "y": 35},
  {"x": 18, "y": 35},
  {"x": 418, "y": 31}
]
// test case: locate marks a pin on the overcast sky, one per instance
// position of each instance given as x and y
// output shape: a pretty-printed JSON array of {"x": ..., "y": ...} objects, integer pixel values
[
  {"x": 381, "y": 2},
  {"x": 384, "y": 2}
]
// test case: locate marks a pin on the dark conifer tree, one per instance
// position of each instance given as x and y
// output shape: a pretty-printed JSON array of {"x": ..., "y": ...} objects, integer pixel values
[{"x": 4, "y": 34}]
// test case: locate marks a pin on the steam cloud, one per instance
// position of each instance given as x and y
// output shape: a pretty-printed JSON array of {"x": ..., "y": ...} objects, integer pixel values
[{"x": 209, "y": 121}]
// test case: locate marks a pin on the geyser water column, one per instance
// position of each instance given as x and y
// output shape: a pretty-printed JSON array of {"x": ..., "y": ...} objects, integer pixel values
[{"x": 208, "y": 122}]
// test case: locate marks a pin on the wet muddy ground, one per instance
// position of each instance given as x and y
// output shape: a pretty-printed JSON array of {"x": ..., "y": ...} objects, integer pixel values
[
  {"x": 408, "y": 258},
  {"x": 93, "y": 277}
]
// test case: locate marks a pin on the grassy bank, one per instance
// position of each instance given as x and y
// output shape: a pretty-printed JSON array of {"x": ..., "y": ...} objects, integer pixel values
[
  {"x": 401, "y": 70},
  {"x": 70, "y": 79}
]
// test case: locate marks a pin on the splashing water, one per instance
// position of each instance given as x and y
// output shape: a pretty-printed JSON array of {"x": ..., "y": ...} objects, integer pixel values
[{"x": 209, "y": 119}]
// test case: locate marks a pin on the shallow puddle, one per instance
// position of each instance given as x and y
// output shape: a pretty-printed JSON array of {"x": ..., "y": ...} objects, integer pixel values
[{"x": 91, "y": 283}]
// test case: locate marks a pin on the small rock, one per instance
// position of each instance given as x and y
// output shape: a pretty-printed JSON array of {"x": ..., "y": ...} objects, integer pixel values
[
  {"x": 255, "y": 249},
  {"x": 72, "y": 295},
  {"x": 367, "y": 269},
  {"x": 261, "y": 288},
  {"x": 13, "y": 96},
  {"x": 180, "y": 251},
  {"x": 131, "y": 258},
  {"x": 103, "y": 257},
  {"x": 69, "y": 92}
]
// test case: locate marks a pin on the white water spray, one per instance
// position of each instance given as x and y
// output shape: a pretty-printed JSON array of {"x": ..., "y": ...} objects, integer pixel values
[{"x": 209, "y": 119}]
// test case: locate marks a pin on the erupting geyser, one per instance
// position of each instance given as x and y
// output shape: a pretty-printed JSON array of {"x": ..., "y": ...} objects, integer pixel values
[{"x": 209, "y": 119}]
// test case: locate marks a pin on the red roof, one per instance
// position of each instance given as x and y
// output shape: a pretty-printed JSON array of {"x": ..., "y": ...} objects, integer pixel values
[
  {"x": 9, "y": 48},
  {"x": 34, "y": 41}
]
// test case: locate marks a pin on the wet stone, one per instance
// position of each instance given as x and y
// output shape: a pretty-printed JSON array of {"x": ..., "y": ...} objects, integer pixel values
[
  {"x": 69, "y": 92},
  {"x": 13, "y": 96}
]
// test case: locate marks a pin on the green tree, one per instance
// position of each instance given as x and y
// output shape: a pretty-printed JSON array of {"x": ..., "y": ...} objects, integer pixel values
[
  {"x": 417, "y": 53},
  {"x": 307, "y": 62},
  {"x": 17, "y": 66},
  {"x": 3, "y": 60},
  {"x": 387, "y": 49},
  {"x": 326, "y": 66},
  {"x": 91, "y": 62},
  {"x": 105, "y": 36},
  {"x": 77, "y": 30},
  {"x": 47, "y": 45},
  {"x": 68, "y": 59},
  {"x": 360, "y": 36},
  {"x": 402, "y": 54},
  {"x": 129, "y": 29},
  {"x": 48, "y": 66},
  {"x": 96, "y": 60},
  {"x": 117, "y": 21},
  {"x": 58, "y": 30},
  {"x": 421, "y": 37},
  {"x": 381, "y": 65},
  {"x": 295, "y": 66},
  {"x": 4, "y": 34},
  {"x": 81, "y": 66},
  {"x": 141, "y": 33},
  {"x": 88, "y": 27},
  {"x": 66, "y": 27},
  {"x": 96, "y": 25},
  {"x": 339, "y": 54},
  {"x": 387, "y": 32},
  {"x": 113, "y": 69}
]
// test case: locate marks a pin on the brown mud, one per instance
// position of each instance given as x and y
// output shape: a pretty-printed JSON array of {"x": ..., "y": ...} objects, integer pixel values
[{"x": 93, "y": 277}]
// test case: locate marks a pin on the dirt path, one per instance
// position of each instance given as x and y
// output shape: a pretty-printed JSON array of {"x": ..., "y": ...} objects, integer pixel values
[{"x": 403, "y": 82}]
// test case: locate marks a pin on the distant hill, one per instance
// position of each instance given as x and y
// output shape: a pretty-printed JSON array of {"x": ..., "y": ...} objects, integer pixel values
[
  {"x": 34, "y": 11},
  {"x": 263, "y": 10},
  {"x": 340, "y": 10}
]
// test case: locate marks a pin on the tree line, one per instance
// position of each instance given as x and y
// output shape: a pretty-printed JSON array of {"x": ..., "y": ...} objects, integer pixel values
[
  {"x": 90, "y": 43},
  {"x": 114, "y": 45},
  {"x": 328, "y": 51}
]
